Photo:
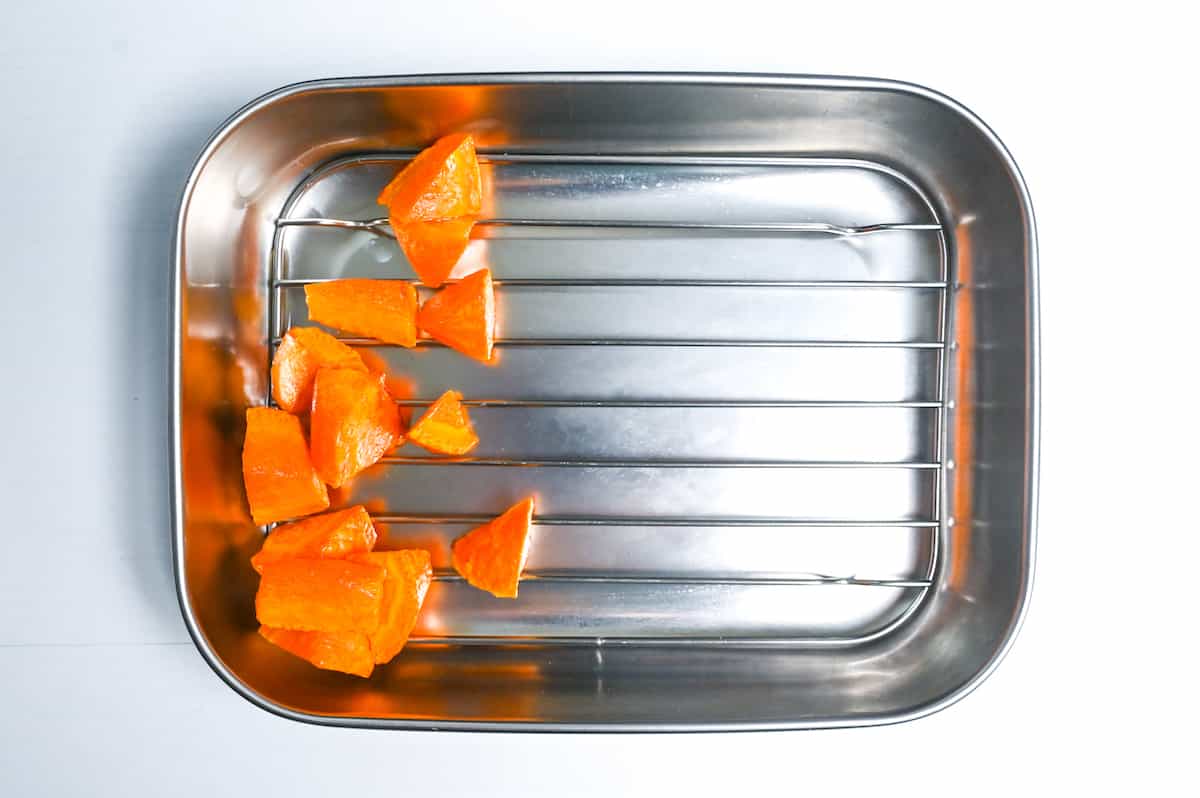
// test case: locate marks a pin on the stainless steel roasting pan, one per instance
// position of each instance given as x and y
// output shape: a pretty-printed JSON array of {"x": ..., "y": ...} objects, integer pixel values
[{"x": 768, "y": 358}]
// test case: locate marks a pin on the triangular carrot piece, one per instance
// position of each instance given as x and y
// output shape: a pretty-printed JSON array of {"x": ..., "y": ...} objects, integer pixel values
[
  {"x": 354, "y": 423},
  {"x": 433, "y": 248},
  {"x": 280, "y": 479},
  {"x": 382, "y": 309},
  {"x": 445, "y": 428},
  {"x": 348, "y": 652},
  {"x": 442, "y": 182},
  {"x": 408, "y": 576},
  {"x": 327, "y": 536},
  {"x": 491, "y": 557},
  {"x": 463, "y": 315},
  {"x": 299, "y": 355}
]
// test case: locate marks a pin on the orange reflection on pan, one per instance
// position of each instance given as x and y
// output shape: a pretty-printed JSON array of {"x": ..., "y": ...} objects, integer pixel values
[
  {"x": 438, "y": 681},
  {"x": 964, "y": 429}
]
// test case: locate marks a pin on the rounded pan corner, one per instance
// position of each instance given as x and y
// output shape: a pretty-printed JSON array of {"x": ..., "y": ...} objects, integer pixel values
[{"x": 972, "y": 683}]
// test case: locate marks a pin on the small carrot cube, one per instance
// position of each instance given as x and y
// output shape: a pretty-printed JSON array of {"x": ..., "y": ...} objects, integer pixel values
[
  {"x": 491, "y": 557},
  {"x": 320, "y": 595},
  {"x": 327, "y": 536},
  {"x": 463, "y": 315},
  {"x": 381, "y": 309},
  {"x": 445, "y": 428},
  {"x": 299, "y": 355},
  {"x": 354, "y": 423},
  {"x": 280, "y": 479}
]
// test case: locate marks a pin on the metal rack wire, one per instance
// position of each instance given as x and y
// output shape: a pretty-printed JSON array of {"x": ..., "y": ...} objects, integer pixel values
[{"x": 278, "y": 282}]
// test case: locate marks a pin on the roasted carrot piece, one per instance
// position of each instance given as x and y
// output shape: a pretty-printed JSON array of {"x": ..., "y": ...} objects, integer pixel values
[
  {"x": 333, "y": 535},
  {"x": 354, "y": 423},
  {"x": 320, "y": 595},
  {"x": 348, "y": 652},
  {"x": 432, "y": 203},
  {"x": 463, "y": 315},
  {"x": 442, "y": 182},
  {"x": 398, "y": 386},
  {"x": 491, "y": 557},
  {"x": 445, "y": 428},
  {"x": 300, "y": 354},
  {"x": 408, "y": 576},
  {"x": 381, "y": 309},
  {"x": 433, "y": 248},
  {"x": 281, "y": 481}
]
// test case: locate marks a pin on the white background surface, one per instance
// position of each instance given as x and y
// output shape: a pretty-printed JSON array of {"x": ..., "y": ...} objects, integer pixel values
[{"x": 102, "y": 109}]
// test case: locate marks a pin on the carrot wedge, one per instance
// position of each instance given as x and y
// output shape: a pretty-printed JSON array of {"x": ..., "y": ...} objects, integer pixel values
[
  {"x": 442, "y": 182},
  {"x": 327, "y": 536},
  {"x": 382, "y": 309},
  {"x": 280, "y": 479},
  {"x": 491, "y": 557},
  {"x": 354, "y": 423},
  {"x": 463, "y": 316},
  {"x": 445, "y": 428}
]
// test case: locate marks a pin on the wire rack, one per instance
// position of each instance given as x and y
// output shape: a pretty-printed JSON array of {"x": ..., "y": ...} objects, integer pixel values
[{"x": 279, "y": 281}]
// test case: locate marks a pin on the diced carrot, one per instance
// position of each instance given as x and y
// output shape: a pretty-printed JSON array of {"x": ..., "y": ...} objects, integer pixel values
[
  {"x": 433, "y": 248},
  {"x": 408, "y": 576},
  {"x": 320, "y": 595},
  {"x": 348, "y": 652},
  {"x": 327, "y": 536},
  {"x": 463, "y": 315},
  {"x": 281, "y": 481},
  {"x": 381, "y": 309},
  {"x": 491, "y": 557},
  {"x": 354, "y": 423},
  {"x": 442, "y": 182},
  {"x": 299, "y": 355},
  {"x": 398, "y": 386},
  {"x": 445, "y": 428}
]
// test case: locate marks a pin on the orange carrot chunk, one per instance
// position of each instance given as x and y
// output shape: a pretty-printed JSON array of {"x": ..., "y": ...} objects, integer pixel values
[
  {"x": 398, "y": 386},
  {"x": 300, "y": 354},
  {"x": 320, "y": 595},
  {"x": 381, "y": 309},
  {"x": 327, "y": 536},
  {"x": 491, "y": 557},
  {"x": 463, "y": 315},
  {"x": 408, "y": 576},
  {"x": 281, "y": 481},
  {"x": 442, "y": 182},
  {"x": 433, "y": 248},
  {"x": 348, "y": 652},
  {"x": 445, "y": 428},
  {"x": 432, "y": 203},
  {"x": 354, "y": 423}
]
